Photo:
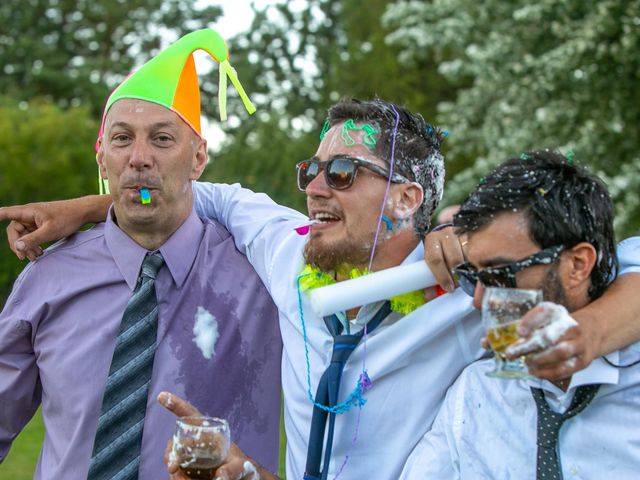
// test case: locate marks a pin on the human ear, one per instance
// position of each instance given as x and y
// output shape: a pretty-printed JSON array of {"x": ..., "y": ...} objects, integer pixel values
[
  {"x": 407, "y": 198},
  {"x": 579, "y": 262},
  {"x": 200, "y": 159},
  {"x": 100, "y": 159}
]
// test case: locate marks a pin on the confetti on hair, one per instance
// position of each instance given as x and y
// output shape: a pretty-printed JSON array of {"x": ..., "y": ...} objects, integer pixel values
[
  {"x": 445, "y": 133},
  {"x": 524, "y": 156},
  {"x": 369, "y": 139},
  {"x": 570, "y": 156},
  {"x": 542, "y": 191},
  {"x": 325, "y": 128}
]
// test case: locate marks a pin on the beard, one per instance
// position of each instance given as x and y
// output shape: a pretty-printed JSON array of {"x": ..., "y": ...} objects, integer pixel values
[
  {"x": 328, "y": 257},
  {"x": 552, "y": 288}
]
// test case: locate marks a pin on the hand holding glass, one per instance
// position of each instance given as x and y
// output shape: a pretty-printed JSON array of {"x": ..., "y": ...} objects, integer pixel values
[
  {"x": 200, "y": 445},
  {"x": 502, "y": 309}
]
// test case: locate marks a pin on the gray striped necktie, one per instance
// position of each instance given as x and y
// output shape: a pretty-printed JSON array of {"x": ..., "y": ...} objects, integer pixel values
[
  {"x": 116, "y": 448},
  {"x": 549, "y": 422}
]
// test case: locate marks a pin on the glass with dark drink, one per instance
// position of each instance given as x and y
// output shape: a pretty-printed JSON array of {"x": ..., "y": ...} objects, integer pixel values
[{"x": 201, "y": 445}]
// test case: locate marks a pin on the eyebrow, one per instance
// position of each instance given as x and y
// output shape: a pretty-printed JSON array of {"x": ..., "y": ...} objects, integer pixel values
[
  {"x": 496, "y": 262},
  {"x": 152, "y": 127}
]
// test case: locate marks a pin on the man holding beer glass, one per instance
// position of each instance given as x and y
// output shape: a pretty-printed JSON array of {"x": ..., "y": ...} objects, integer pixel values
[{"x": 538, "y": 223}]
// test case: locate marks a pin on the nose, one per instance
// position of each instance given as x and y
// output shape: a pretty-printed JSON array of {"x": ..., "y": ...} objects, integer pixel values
[
  {"x": 140, "y": 157},
  {"x": 478, "y": 293},
  {"x": 318, "y": 187}
]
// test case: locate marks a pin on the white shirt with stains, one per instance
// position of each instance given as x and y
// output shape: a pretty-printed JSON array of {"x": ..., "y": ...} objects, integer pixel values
[
  {"x": 410, "y": 359},
  {"x": 487, "y": 427}
]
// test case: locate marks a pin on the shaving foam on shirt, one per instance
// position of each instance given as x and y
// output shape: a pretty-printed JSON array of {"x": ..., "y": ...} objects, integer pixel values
[{"x": 205, "y": 332}]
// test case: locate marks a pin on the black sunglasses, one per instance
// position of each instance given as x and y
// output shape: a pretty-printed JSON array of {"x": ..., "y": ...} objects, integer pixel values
[
  {"x": 339, "y": 172},
  {"x": 504, "y": 276}
]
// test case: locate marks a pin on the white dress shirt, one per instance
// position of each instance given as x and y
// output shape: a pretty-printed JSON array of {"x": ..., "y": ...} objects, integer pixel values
[
  {"x": 487, "y": 427},
  {"x": 411, "y": 360}
]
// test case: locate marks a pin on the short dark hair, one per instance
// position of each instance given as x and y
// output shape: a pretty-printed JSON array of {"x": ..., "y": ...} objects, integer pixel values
[
  {"x": 417, "y": 149},
  {"x": 564, "y": 205}
]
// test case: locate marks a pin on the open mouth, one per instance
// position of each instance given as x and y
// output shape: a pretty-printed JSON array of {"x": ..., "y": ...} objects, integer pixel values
[{"x": 325, "y": 218}]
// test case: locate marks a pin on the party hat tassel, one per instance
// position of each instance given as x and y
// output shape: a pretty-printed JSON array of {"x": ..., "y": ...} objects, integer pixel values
[{"x": 229, "y": 70}]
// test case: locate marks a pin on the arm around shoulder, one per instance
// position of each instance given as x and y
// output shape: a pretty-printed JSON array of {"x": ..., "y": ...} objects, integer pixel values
[{"x": 34, "y": 224}]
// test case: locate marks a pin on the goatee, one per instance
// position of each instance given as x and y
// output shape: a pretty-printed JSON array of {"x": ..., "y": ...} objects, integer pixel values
[{"x": 329, "y": 257}]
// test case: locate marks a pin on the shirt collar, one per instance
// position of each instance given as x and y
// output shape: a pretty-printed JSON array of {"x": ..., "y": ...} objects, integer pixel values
[
  {"x": 179, "y": 251},
  {"x": 598, "y": 372}
]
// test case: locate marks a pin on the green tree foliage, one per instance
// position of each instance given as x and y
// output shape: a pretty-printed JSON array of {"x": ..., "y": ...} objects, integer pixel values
[
  {"x": 561, "y": 74},
  {"x": 75, "y": 51},
  {"x": 296, "y": 63},
  {"x": 46, "y": 153}
]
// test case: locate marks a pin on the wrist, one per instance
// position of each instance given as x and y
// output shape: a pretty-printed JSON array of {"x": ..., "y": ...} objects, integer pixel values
[
  {"x": 592, "y": 330},
  {"x": 95, "y": 208}
]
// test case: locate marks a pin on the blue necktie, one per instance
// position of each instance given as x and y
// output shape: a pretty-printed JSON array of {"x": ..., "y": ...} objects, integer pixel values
[
  {"x": 116, "y": 448},
  {"x": 328, "y": 390},
  {"x": 549, "y": 422}
]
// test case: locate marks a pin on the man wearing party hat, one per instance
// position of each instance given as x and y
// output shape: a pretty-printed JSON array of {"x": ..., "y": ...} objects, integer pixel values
[
  {"x": 400, "y": 368},
  {"x": 395, "y": 376},
  {"x": 155, "y": 298}
]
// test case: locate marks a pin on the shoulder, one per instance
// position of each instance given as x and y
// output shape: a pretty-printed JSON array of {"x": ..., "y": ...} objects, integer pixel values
[
  {"x": 214, "y": 230},
  {"x": 59, "y": 264},
  {"x": 83, "y": 244}
]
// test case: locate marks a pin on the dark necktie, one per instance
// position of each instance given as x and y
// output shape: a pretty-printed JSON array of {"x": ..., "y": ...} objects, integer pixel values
[
  {"x": 116, "y": 448},
  {"x": 328, "y": 389},
  {"x": 549, "y": 423}
]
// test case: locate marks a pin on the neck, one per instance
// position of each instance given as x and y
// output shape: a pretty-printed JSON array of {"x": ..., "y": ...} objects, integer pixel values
[
  {"x": 155, "y": 233},
  {"x": 390, "y": 253}
]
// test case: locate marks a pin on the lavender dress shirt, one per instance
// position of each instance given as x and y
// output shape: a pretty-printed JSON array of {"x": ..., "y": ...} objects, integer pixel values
[{"x": 218, "y": 344}]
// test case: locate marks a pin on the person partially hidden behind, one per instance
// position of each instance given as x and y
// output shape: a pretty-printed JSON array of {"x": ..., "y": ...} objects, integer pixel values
[
  {"x": 538, "y": 222},
  {"x": 155, "y": 298}
]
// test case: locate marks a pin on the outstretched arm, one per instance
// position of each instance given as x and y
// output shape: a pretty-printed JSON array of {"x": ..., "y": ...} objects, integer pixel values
[{"x": 34, "y": 224}]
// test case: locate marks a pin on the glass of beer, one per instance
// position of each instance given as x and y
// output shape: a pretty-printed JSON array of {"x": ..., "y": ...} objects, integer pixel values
[
  {"x": 200, "y": 445},
  {"x": 502, "y": 309}
]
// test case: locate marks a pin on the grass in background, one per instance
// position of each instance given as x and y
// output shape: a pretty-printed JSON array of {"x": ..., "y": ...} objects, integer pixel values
[{"x": 20, "y": 464}]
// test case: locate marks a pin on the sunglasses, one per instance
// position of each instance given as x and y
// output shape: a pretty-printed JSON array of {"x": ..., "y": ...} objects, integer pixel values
[
  {"x": 339, "y": 172},
  {"x": 504, "y": 276}
]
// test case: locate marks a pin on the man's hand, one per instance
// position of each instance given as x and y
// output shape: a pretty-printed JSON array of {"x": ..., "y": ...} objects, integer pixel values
[
  {"x": 34, "y": 224},
  {"x": 237, "y": 466},
  {"x": 443, "y": 252},
  {"x": 554, "y": 344}
]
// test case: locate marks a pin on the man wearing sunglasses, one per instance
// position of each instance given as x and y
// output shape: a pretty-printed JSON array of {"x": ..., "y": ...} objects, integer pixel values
[
  {"x": 413, "y": 355},
  {"x": 539, "y": 222}
]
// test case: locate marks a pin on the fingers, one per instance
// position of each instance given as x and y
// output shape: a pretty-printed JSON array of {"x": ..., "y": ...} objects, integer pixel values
[
  {"x": 537, "y": 317},
  {"x": 430, "y": 293},
  {"x": 442, "y": 253},
  {"x": 177, "y": 405},
  {"x": 543, "y": 327},
  {"x": 24, "y": 242},
  {"x": 18, "y": 213},
  {"x": 558, "y": 362}
]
